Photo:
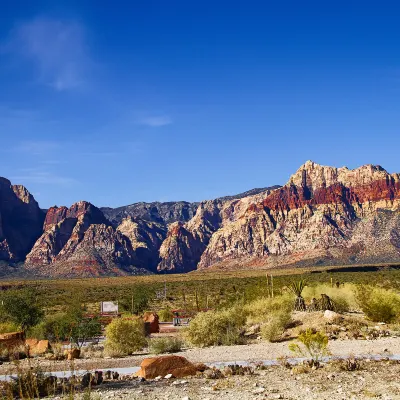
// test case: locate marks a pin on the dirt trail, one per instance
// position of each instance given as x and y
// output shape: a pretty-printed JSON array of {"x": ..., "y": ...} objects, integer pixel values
[{"x": 251, "y": 352}]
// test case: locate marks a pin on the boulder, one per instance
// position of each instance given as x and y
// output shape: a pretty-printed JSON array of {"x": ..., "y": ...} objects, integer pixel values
[
  {"x": 332, "y": 315},
  {"x": 177, "y": 366},
  {"x": 72, "y": 354},
  {"x": 151, "y": 322},
  {"x": 12, "y": 339},
  {"x": 37, "y": 347}
]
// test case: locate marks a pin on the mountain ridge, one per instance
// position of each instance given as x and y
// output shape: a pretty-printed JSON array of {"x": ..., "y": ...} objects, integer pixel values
[{"x": 322, "y": 216}]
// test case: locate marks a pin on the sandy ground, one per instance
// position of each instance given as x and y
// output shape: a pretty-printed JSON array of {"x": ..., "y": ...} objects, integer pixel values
[
  {"x": 250, "y": 352},
  {"x": 379, "y": 380}
]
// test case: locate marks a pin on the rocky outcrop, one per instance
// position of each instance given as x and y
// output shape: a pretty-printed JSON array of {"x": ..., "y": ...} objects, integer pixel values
[
  {"x": 165, "y": 213},
  {"x": 80, "y": 241},
  {"x": 21, "y": 221},
  {"x": 146, "y": 239},
  {"x": 323, "y": 215},
  {"x": 185, "y": 243}
]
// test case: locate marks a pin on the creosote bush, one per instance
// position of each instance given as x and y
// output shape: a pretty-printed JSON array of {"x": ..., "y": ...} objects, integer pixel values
[
  {"x": 314, "y": 345},
  {"x": 379, "y": 305},
  {"x": 125, "y": 336},
  {"x": 165, "y": 345},
  {"x": 213, "y": 328}
]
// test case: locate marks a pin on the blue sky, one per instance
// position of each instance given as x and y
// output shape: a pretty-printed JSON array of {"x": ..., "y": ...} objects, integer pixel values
[{"x": 119, "y": 102}]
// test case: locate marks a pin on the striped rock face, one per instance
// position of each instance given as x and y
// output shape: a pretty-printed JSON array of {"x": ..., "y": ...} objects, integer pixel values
[{"x": 322, "y": 216}]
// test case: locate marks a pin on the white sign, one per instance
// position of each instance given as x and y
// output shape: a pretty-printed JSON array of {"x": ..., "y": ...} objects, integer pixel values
[{"x": 109, "y": 307}]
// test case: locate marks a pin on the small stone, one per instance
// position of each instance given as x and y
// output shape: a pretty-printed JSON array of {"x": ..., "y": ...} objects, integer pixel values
[
  {"x": 157, "y": 378},
  {"x": 259, "y": 390},
  {"x": 168, "y": 376}
]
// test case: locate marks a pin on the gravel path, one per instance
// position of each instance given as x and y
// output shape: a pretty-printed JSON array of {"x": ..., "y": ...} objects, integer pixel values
[
  {"x": 375, "y": 380},
  {"x": 251, "y": 352}
]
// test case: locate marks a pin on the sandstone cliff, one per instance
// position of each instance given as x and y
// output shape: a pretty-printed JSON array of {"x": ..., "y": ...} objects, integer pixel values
[
  {"x": 21, "y": 221},
  {"x": 185, "y": 243},
  {"x": 323, "y": 215}
]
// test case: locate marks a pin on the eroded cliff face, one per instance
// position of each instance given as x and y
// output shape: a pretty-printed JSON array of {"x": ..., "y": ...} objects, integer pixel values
[
  {"x": 80, "y": 241},
  {"x": 21, "y": 221},
  {"x": 185, "y": 243},
  {"x": 146, "y": 239},
  {"x": 322, "y": 215}
]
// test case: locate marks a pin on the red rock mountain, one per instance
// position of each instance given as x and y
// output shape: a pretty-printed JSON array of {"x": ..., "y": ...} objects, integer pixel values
[
  {"x": 322, "y": 216},
  {"x": 21, "y": 221}
]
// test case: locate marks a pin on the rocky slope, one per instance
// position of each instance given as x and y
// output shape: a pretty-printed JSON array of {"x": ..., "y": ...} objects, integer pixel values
[
  {"x": 164, "y": 213},
  {"x": 21, "y": 221},
  {"x": 80, "y": 241},
  {"x": 161, "y": 213},
  {"x": 323, "y": 215}
]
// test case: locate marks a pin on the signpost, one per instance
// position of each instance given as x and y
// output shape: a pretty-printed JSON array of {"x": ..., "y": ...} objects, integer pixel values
[{"x": 109, "y": 307}]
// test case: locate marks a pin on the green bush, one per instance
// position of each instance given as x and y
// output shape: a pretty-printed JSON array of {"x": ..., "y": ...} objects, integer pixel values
[
  {"x": 213, "y": 328},
  {"x": 379, "y": 305},
  {"x": 273, "y": 329},
  {"x": 55, "y": 327},
  {"x": 125, "y": 336},
  {"x": 21, "y": 308},
  {"x": 165, "y": 345},
  {"x": 165, "y": 315}
]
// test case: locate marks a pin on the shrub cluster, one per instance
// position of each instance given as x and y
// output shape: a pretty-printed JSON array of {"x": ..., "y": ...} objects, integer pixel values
[{"x": 214, "y": 328}]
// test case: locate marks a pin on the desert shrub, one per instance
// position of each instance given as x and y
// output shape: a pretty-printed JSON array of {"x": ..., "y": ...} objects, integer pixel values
[
  {"x": 217, "y": 328},
  {"x": 259, "y": 311},
  {"x": 7, "y": 327},
  {"x": 165, "y": 345},
  {"x": 342, "y": 297},
  {"x": 165, "y": 315},
  {"x": 125, "y": 336},
  {"x": 379, "y": 305},
  {"x": 53, "y": 327},
  {"x": 273, "y": 329},
  {"x": 314, "y": 344},
  {"x": 21, "y": 308}
]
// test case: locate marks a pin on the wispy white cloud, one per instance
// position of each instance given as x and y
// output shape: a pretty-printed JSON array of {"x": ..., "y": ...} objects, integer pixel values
[
  {"x": 37, "y": 147},
  {"x": 37, "y": 175},
  {"x": 56, "y": 49},
  {"x": 156, "y": 121}
]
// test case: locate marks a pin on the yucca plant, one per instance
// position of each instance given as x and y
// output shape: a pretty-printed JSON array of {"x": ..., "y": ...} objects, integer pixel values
[{"x": 297, "y": 289}]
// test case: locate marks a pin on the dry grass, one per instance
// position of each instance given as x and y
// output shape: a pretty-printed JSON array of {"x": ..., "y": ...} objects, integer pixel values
[{"x": 344, "y": 295}]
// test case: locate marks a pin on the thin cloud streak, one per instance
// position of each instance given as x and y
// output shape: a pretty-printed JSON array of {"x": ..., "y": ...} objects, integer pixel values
[
  {"x": 37, "y": 147},
  {"x": 43, "y": 177},
  {"x": 156, "y": 121},
  {"x": 56, "y": 49}
]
